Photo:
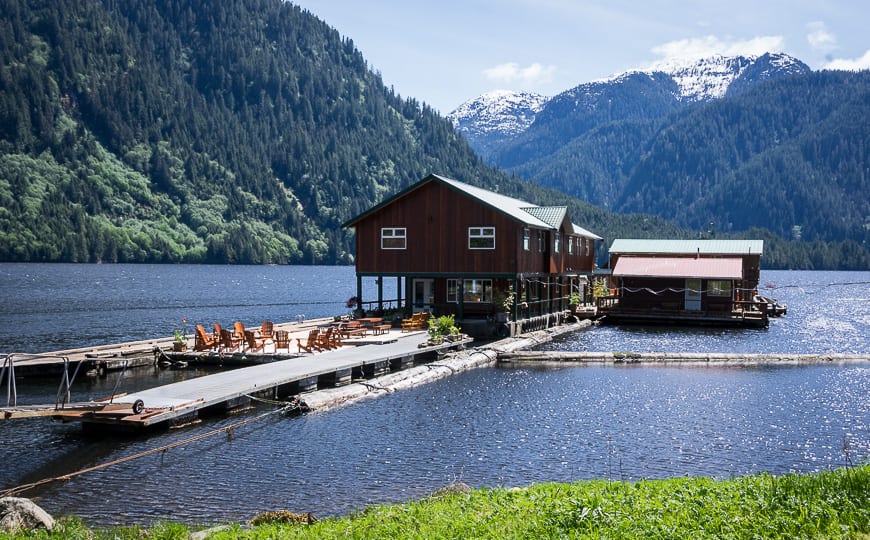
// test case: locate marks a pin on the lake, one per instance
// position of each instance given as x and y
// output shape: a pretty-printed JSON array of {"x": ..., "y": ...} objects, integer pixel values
[{"x": 487, "y": 427}]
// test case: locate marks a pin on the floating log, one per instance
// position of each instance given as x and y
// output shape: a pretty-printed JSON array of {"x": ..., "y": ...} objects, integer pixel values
[{"x": 717, "y": 359}]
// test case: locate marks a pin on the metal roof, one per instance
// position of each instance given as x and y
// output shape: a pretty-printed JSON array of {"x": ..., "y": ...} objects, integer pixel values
[
  {"x": 679, "y": 267},
  {"x": 686, "y": 247},
  {"x": 541, "y": 217},
  {"x": 508, "y": 205},
  {"x": 580, "y": 231},
  {"x": 551, "y": 215}
]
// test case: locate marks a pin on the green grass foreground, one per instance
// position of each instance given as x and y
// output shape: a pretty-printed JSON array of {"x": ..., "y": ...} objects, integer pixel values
[{"x": 833, "y": 504}]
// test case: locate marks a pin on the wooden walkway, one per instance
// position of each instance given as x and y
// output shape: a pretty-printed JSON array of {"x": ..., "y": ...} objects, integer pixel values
[{"x": 184, "y": 401}]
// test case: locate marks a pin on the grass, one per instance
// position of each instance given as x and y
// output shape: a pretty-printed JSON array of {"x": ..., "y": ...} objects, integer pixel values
[{"x": 831, "y": 504}]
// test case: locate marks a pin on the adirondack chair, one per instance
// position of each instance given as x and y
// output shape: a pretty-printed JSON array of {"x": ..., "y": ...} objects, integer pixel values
[
  {"x": 417, "y": 321},
  {"x": 203, "y": 341},
  {"x": 229, "y": 342},
  {"x": 266, "y": 330},
  {"x": 310, "y": 344},
  {"x": 282, "y": 340},
  {"x": 239, "y": 332},
  {"x": 253, "y": 343},
  {"x": 326, "y": 340}
]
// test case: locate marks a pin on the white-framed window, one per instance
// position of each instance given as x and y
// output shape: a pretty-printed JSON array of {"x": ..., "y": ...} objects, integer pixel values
[
  {"x": 719, "y": 287},
  {"x": 526, "y": 239},
  {"x": 481, "y": 238},
  {"x": 541, "y": 241},
  {"x": 588, "y": 243},
  {"x": 557, "y": 241},
  {"x": 394, "y": 238},
  {"x": 453, "y": 290},
  {"x": 570, "y": 245},
  {"x": 476, "y": 290}
]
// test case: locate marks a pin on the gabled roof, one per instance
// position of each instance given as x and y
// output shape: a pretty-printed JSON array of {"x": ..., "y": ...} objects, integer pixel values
[
  {"x": 541, "y": 217},
  {"x": 624, "y": 246},
  {"x": 507, "y": 205}
]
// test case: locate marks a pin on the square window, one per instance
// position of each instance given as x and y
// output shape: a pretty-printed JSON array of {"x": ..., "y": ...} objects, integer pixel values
[
  {"x": 477, "y": 290},
  {"x": 393, "y": 238},
  {"x": 717, "y": 287},
  {"x": 481, "y": 238}
]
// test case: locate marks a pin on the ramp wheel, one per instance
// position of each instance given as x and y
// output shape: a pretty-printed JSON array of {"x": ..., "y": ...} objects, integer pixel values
[{"x": 138, "y": 406}]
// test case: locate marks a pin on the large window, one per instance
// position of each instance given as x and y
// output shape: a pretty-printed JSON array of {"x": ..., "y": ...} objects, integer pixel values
[
  {"x": 526, "y": 240},
  {"x": 570, "y": 245},
  {"x": 477, "y": 290},
  {"x": 557, "y": 240},
  {"x": 453, "y": 290},
  {"x": 481, "y": 238},
  {"x": 393, "y": 238},
  {"x": 717, "y": 287}
]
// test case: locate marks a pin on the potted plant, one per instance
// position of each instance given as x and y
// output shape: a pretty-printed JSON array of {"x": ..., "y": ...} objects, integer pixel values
[
  {"x": 441, "y": 328},
  {"x": 505, "y": 302},
  {"x": 179, "y": 342}
]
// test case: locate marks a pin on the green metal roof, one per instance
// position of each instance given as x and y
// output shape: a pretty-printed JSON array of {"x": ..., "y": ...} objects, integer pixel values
[
  {"x": 551, "y": 215},
  {"x": 685, "y": 247}
]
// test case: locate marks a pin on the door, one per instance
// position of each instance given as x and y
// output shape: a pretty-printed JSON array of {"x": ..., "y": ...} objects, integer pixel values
[
  {"x": 693, "y": 295},
  {"x": 424, "y": 294}
]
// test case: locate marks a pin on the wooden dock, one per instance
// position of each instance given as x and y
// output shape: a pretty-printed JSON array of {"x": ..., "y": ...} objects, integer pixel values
[{"x": 184, "y": 401}]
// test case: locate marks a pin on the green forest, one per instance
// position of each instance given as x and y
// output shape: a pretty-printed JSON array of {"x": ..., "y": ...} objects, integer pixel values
[{"x": 229, "y": 132}]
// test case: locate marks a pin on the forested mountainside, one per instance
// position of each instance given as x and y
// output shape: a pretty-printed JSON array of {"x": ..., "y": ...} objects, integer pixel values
[
  {"x": 224, "y": 132},
  {"x": 190, "y": 130},
  {"x": 788, "y": 153}
]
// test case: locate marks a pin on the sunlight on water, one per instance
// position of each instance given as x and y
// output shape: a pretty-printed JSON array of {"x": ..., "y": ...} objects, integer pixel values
[{"x": 486, "y": 427}]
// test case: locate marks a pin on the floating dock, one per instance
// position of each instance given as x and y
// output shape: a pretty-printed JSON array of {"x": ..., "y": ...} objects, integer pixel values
[{"x": 185, "y": 401}]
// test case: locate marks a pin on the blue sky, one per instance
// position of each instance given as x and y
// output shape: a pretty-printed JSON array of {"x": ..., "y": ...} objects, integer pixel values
[{"x": 446, "y": 52}]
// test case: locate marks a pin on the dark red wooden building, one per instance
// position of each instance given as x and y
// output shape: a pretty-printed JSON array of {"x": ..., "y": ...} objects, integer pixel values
[{"x": 458, "y": 249}]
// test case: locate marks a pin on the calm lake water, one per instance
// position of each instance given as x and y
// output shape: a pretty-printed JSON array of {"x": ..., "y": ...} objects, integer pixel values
[{"x": 486, "y": 427}]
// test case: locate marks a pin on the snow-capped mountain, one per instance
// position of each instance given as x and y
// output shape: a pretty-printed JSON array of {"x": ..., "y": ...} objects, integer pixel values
[
  {"x": 711, "y": 78},
  {"x": 496, "y": 116}
]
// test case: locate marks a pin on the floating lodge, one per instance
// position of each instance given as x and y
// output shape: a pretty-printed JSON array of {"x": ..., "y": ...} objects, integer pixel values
[{"x": 501, "y": 266}]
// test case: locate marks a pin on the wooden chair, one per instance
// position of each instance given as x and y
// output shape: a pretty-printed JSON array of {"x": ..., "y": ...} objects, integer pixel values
[
  {"x": 326, "y": 340},
  {"x": 253, "y": 344},
  {"x": 282, "y": 340},
  {"x": 418, "y": 321},
  {"x": 310, "y": 344},
  {"x": 240, "y": 332},
  {"x": 229, "y": 342},
  {"x": 203, "y": 341},
  {"x": 267, "y": 330}
]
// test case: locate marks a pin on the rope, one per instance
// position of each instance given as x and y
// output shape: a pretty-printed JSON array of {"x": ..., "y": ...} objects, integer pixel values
[{"x": 227, "y": 429}]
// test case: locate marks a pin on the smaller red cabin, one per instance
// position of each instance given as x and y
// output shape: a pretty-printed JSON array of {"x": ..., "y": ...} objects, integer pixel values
[{"x": 693, "y": 281}]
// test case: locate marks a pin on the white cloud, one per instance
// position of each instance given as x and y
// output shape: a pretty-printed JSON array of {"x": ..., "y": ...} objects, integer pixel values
[
  {"x": 510, "y": 72},
  {"x": 847, "y": 64},
  {"x": 688, "y": 50},
  {"x": 820, "y": 38}
]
